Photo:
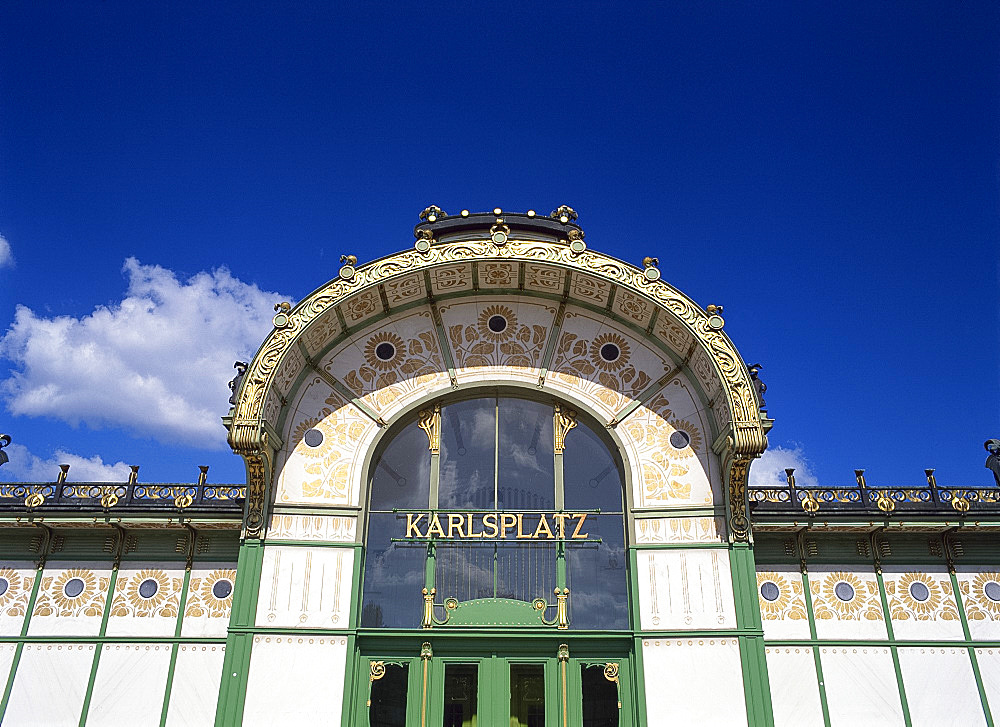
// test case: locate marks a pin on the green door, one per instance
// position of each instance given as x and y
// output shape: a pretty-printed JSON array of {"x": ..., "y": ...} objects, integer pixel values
[{"x": 526, "y": 690}]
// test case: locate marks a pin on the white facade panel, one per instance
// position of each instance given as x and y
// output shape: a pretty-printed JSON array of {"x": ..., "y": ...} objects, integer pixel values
[
  {"x": 782, "y": 603},
  {"x": 306, "y": 587},
  {"x": 791, "y": 671},
  {"x": 922, "y": 604},
  {"x": 684, "y": 676},
  {"x": 940, "y": 687},
  {"x": 295, "y": 680},
  {"x": 981, "y": 597},
  {"x": 147, "y": 599},
  {"x": 195, "y": 690},
  {"x": 847, "y": 603},
  {"x": 686, "y": 589},
  {"x": 131, "y": 679},
  {"x": 16, "y": 581},
  {"x": 861, "y": 689},
  {"x": 71, "y": 599},
  {"x": 209, "y": 600},
  {"x": 50, "y": 685}
]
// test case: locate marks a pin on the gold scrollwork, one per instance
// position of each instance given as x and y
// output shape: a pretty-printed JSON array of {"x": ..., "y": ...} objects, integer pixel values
[
  {"x": 563, "y": 421},
  {"x": 428, "y": 617},
  {"x": 810, "y": 504},
  {"x": 885, "y": 503},
  {"x": 960, "y": 504},
  {"x": 430, "y": 422},
  {"x": 35, "y": 499},
  {"x": 377, "y": 671},
  {"x": 611, "y": 671}
]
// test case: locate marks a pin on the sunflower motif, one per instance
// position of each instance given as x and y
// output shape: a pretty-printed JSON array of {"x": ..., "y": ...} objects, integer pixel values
[
  {"x": 13, "y": 586},
  {"x": 385, "y": 351},
  {"x": 982, "y": 592},
  {"x": 303, "y": 445},
  {"x": 920, "y": 594},
  {"x": 682, "y": 427},
  {"x": 837, "y": 587},
  {"x": 497, "y": 323},
  {"x": 136, "y": 590},
  {"x": 609, "y": 352},
  {"x": 212, "y": 595},
  {"x": 73, "y": 591},
  {"x": 774, "y": 593}
]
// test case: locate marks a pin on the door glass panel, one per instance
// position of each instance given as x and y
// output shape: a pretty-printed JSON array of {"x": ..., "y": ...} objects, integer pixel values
[
  {"x": 388, "y": 698},
  {"x": 527, "y": 695},
  {"x": 468, "y": 455},
  {"x": 600, "y": 698},
  {"x": 596, "y": 576},
  {"x": 461, "y": 686}
]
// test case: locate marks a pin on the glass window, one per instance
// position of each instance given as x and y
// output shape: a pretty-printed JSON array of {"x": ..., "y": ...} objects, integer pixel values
[
  {"x": 526, "y": 462},
  {"x": 388, "y": 697},
  {"x": 600, "y": 698},
  {"x": 468, "y": 455},
  {"x": 401, "y": 475},
  {"x": 593, "y": 480}
]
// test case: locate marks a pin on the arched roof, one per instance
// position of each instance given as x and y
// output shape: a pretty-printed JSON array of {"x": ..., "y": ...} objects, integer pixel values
[{"x": 472, "y": 254}]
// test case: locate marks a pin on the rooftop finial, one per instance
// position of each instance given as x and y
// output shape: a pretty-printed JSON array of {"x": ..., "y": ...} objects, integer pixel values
[
  {"x": 564, "y": 213},
  {"x": 4, "y": 441},
  {"x": 433, "y": 213},
  {"x": 993, "y": 461}
]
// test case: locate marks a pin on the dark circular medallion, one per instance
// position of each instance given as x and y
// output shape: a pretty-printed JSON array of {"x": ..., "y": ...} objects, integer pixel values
[
  {"x": 919, "y": 591},
  {"x": 73, "y": 587},
  {"x": 497, "y": 324},
  {"x": 148, "y": 588},
  {"x": 844, "y": 591},
  {"x": 314, "y": 437},
  {"x": 385, "y": 351},
  {"x": 222, "y": 588},
  {"x": 4, "y": 585},
  {"x": 769, "y": 591},
  {"x": 992, "y": 591},
  {"x": 610, "y": 352},
  {"x": 680, "y": 439}
]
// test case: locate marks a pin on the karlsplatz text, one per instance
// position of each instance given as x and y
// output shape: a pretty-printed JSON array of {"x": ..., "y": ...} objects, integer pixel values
[{"x": 500, "y": 525}]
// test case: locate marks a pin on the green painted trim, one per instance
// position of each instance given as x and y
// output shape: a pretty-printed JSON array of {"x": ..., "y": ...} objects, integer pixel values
[
  {"x": 98, "y": 648},
  {"x": 35, "y": 586},
  {"x": 753, "y": 662},
  {"x": 236, "y": 664},
  {"x": 175, "y": 648},
  {"x": 820, "y": 680},
  {"x": 888, "y": 625},
  {"x": 987, "y": 712},
  {"x": 347, "y": 695},
  {"x": 639, "y": 683}
]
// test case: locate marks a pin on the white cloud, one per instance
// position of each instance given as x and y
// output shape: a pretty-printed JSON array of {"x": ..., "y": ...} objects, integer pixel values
[
  {"x": 27, "y": 467},
  {"x": 6, "y": 254},
  {"x": 155, "y": 364},
  {"x": 769, "y": 469}
]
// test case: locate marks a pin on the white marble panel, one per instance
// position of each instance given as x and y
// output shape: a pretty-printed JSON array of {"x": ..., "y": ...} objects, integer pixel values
[
  {"x": 295, "y": 680},
  {"x": 6, "y": 659},
  {"x": 701, "y": 529},
  {"x": 147, "y": 599},
  {"x": 989, "y": 670},
  {"x": 195, "y": 690},
  {"x": 305, "y": 587},
  {"x": 922, "y": 604},
  {"x": 782, "y": 603},
  {"x": 16, "y": 581},
  {"x": 791, "y": 671},
  {"x": 209, "y": 600},
  {"x": 686, "y": 677},
  {"x": 50, "y": 685},
  {"x": 861, "y": 688},
  {"x": 686, "y": 589},
  {"x": 325, "y": 528},
  {"x": 980, "y": 586},
  {"x": 846, "y": 602},
  {"x": 131, "y": 679},
  {"x": 940, "y": 687},
  {"x": 71, "y": 599}
]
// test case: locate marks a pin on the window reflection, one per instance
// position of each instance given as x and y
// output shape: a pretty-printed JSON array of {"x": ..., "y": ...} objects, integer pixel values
[{"x": 468, "y": 454}]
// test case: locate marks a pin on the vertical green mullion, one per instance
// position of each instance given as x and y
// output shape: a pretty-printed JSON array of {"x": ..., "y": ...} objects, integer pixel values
[
  {"x": 236, "y": 664},
  {"x": 892, "y": 648},
  {"x": 638, "y": 683},
  {"x": 821, "y": 682},
  {"x": 24, "y": 632},
  {"x": 175, "y": 647},
  {"x": 756, "y": 687},
  {"x": 972, "y": 651},
  {"x": 99, "y": 646}
]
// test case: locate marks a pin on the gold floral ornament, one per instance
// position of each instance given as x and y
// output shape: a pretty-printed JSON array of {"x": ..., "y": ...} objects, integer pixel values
[
  {"x": 983, "y": 603},
  {"x": 609, "y": 352},
  {"x": 74, "y": 592},
  {"x": 149, "y": 592},
  {"x": 14, "y": 592},
  {"x": 685, "y": 439},
  {"x": 844, "y": 595},
  {"x": 780, "y": 596},
  {"x": 385, "y": 351},
  {"x": 212, "y": 595},
  {"x": 497, "y": 323},
  {"x": 921, "y": 597},
  {"x": 497, "y": 339}
]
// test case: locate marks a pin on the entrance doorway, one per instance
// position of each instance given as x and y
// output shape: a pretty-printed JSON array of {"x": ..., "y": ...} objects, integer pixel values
[{"x": 522, "y": 689}]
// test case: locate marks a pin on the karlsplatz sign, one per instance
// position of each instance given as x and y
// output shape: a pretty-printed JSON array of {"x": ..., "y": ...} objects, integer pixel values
[{"x": 496, "y": 525}]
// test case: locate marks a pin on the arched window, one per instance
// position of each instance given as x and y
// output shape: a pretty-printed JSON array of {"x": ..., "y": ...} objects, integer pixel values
[{"x": 496, "y": 501}]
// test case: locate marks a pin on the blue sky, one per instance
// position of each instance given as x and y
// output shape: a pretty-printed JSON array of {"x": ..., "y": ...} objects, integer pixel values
[{"x": 828, "y": 173}]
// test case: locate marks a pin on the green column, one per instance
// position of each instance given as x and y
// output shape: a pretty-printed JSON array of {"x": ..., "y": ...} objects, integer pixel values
[
  {"x": 236, "y": 665},
  {"x": 756, "y": 688}
]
